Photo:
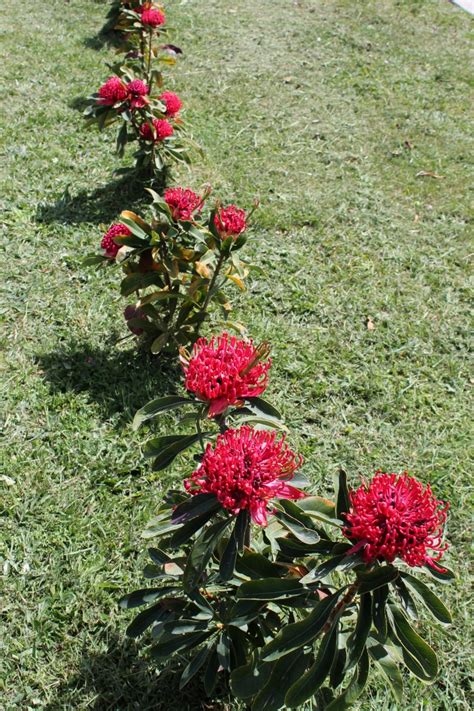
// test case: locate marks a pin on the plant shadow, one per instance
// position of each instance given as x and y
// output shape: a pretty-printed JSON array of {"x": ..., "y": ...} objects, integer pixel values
[
  {"x": 119, "y": 382},
  {"x": 102, "y": 205},
  {"x": 120, "y": 680}
]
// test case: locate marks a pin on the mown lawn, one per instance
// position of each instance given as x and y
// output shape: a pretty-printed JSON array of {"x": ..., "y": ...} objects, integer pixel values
[{"x": 327, "y": 111}]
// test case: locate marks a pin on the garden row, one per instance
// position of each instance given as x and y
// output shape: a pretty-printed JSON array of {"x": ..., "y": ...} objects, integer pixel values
[{"x": 282, "y": 595}]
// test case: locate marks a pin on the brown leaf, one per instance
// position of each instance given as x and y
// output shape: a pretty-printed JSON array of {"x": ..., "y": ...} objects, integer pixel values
[
  {"x": 202, "y": 270},
  {"x": 370, "y": 324}
]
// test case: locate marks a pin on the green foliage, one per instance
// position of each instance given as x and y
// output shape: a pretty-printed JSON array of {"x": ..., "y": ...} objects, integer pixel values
[
  {"x": 282, "y": 637},
  {"x": 178, "y": 270}
]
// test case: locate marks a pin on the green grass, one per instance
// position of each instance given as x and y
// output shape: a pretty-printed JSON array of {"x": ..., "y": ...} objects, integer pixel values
[{"x": 327, "y": 111}]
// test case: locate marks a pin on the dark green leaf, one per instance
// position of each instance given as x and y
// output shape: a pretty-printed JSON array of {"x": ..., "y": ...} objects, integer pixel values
[
  {"x": 162, "y": 650},
  {"x": 202, "y": 551},
  {"x": 144, "y": 596},
  {"x": 258, "y": 405},
  {"x": 406, "y": 600},
  {"x": 156, "y": 407},
  {"x": 244, "y": 611},
  {"x": 284, "y": 673},
  {"x": 235, "y": 542},
  {"x": 186, "y": 530},
  {"x": 256, "y": 565},
  {"x": 144, "y": 619},
  {"x": 134, "y": 282},
  {"x": 300, "y": 633},
  {"x": 210, "y": 675},
  {"x": 92, "y": 259},
  {"x": 374, "y": 579},
  {"x": 169, "y": 453},
  {"x": 384, "y": 662},
  {"x": 339, "y": 562},
  {"x": 355, "y": 688},
  {"x": 379, "y": 614},
  {"x": 223, "y": 651},
  {"x": 194, "y": 666},
  {"x": 310, "y": 681},
  {"x": 444, "y": 576},
  {"x": 121, "y": 140},
  {"x": 195, "y": 506},
  {"x": 299, "y": 531},
  {"x": 342, "y": 503},
  {"x": 414, "y": 646},
  {"x": 159, "y": 557},
  {"x": 357, "y": 640},
  {"x": 247, "y": 680},
  {"x": 270, "y": 589},
  {"x": 427, "y": 596}
]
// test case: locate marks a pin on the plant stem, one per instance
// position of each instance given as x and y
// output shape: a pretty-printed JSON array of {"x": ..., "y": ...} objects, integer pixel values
[{"x": 212, "y": 284}]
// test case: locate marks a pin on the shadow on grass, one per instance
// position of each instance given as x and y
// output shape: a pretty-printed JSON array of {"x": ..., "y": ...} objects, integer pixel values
[
  {"x": 120, "y": 680},
  {"x": 102, "y": 205},
  {"x": 120, "y": 382}
]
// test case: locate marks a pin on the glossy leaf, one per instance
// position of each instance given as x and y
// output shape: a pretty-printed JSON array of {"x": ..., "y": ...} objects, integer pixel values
[
  {"x": 164, "y": 649},
  {"x": 379, "y": 613},
  {"x": 342, "y": 502},
  {"x": 156, "y": 407},
  {"x": 311, "y": 680},
  {"x": 415, "y": 647},
  {"x": 427, "y": 596},
  {"x": 270, "y": 589},
  {"x": 145, "y": 596},
  {"x": 284, "y": 673},
  {"x": 169, "y": 453},
  {"x": 246, "y": 681},
  {"x": 195, "y": 506},
  {"x": 382, "y": 575},
  {"x": 355, "y": 688},
  {"x": 202, "y": 551},
  {"x": 144, "y": 619},
  {"x": 196, "y": 663},
  {"x": 257, "y": 404},
  {"x": 211, "y": 673},
  {"x": 300, "y": 633},
  {"x": 386, "y": 664},
  {"x": 339, "y": 562},
  {"x": 358, "y": 638}
]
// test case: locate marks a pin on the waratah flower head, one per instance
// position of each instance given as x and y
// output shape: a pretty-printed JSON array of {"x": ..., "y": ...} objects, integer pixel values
[
  {"x": 150, "y": 16},
  {"x": 112, "y": 92},
  {"x": 225, "y": 370},
  {"x": 172, "y": 102},
  {"x": 161, "y": 129},
  {"x": 108, "y": 243},
  {"x": 230, "y": 221},
  {"x": 246, "y": 469},
  {"x": 395, "y": 516},
  {"x": 137, "y": 92},
  {"x": 182, "y": 202}
]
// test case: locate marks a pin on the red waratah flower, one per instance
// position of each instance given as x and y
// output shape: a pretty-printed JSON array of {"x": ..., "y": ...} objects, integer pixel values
[
  {"x": 161, "y": 129},
  {"x": 112, "y": 92},
  {"x": 137, "y": 91},
  {"x": 108, "y": 243},
  {"x": 230, "y": 221},
  {"x": 395, "y": 516},
  {"x": 172, "y": 102},
  {"x": 245, "y": 470},
  {"x": 151, "y": 16},
  {"x": 183, "y": 203},
  {"x": 225, "y": 371}
]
